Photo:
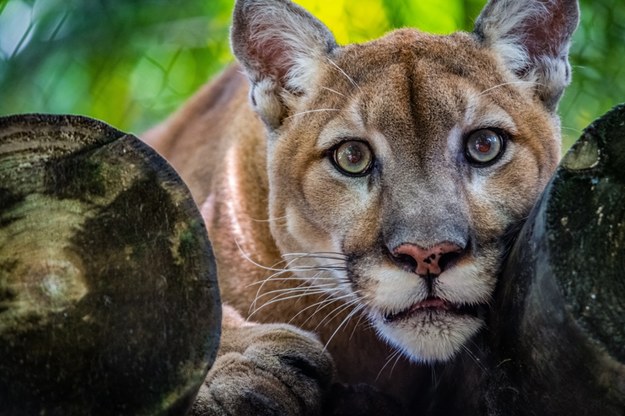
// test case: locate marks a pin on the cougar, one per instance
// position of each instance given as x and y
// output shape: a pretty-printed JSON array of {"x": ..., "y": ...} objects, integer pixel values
[{"x": 358, "y": 197}]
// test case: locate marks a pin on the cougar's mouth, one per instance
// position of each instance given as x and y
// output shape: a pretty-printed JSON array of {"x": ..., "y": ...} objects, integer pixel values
[{"x": 431, "y": 305}]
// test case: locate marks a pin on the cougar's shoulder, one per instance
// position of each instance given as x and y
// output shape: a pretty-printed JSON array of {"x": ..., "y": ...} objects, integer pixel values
[
  {"x": 197, "y": 138},
  {"x": 217, "y": 144}
]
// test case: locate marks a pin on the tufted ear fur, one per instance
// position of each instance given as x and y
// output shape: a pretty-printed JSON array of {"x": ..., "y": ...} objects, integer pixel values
[
  {"x": 280, "y": 45},
  {"x": 533, "y": 38}
]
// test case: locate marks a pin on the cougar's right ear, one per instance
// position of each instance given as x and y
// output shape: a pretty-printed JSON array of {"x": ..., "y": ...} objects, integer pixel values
[{"x": 281, "y": 47}]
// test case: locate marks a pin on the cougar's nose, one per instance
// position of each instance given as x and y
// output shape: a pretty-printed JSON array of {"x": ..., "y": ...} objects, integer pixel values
[{"x": 427, "y": 261}]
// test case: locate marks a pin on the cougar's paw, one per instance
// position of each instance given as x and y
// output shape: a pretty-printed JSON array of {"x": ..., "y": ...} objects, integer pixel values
[{"x": 281, "y": 371}]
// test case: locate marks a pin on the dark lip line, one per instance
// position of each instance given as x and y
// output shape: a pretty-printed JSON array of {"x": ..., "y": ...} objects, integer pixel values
[{"x": 447, "y": 307}]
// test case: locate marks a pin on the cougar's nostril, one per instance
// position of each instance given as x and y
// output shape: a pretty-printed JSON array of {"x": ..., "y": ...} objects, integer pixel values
[
  {"x": 405, "y": 261},
  {"x": 428, "y": 261}
]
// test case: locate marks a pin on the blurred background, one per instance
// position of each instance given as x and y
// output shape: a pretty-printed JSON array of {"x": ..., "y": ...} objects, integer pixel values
[{"x": 131, "y": 63}]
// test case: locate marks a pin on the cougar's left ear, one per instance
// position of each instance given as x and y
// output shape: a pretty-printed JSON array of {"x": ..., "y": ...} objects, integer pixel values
[
  {"x": 280, "y": 46},
  {"x": 533, "y": 38}
]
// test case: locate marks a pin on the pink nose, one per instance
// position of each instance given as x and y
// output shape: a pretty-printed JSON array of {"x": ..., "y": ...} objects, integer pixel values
[{"x": 430, "y": 261}]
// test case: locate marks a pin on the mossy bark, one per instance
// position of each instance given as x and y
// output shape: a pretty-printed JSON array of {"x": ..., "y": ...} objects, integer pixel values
[{"x": 108, "y": 295}]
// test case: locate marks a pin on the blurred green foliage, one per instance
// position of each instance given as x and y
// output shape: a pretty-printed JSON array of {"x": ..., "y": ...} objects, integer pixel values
[{"x": 131, "y": 63}]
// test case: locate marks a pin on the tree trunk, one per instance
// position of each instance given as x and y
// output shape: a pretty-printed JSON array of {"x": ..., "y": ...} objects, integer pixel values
[
  {"x": 555, "y": 343},
  {"x": 108, "y": 295}
]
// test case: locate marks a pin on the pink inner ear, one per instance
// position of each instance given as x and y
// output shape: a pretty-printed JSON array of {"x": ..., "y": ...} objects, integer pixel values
[
  {"x": 548, "y": 34},
  {"x": 271, "y": 53}
]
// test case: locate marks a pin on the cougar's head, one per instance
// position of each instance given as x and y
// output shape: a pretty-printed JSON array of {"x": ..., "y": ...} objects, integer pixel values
[{"x": 397, "y": 166}]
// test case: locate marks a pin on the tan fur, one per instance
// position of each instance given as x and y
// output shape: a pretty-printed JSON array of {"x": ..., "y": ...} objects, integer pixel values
[
  {"x": 239, "y": 202},
  {"x": 268, "y": 190}
]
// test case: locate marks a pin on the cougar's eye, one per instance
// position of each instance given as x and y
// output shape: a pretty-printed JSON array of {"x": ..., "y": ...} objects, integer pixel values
[
  {"x": 353, "y": 158},
  {"x": 484, "y": 146}
]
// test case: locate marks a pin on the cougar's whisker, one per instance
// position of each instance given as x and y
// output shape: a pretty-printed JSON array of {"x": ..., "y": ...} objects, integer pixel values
[
  {"x": 344, "y": 322},
  {"x": 291, "y": 278},
  {"x": 318, "y": 110},
  {"x": 350, "y": 79},
  {"x": 325, "y": 303},
  {"x": 337, "y": 311},
  {"x": 281, "y": 298},
  {"x": 303, "y": 282},
  {"x": 301, "y": 287},
  {"x": 390, "y": 358},
  {"x": 334, "y": 91},
  {"x": 397, "y": 358},
  {"x": 269, "y": 220},
  {"x": 503, "y": 84},
  {"x": 362, "y": 315}
]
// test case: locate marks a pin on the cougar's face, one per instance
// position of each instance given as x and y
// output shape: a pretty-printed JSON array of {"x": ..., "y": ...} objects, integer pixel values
[{"x": 398, "y": 177}]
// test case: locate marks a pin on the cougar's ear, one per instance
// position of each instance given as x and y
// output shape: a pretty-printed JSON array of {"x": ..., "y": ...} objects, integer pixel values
[
  {"x": 533, "y": 38},
  {"x": 280, "y": 46}
]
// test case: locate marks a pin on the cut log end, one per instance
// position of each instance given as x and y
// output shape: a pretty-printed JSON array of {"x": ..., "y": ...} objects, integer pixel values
[{"x": 108, "y": 294}]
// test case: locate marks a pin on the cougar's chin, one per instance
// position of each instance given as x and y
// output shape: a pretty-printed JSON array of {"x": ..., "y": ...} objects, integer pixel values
[{"x": 430, "y": 331}]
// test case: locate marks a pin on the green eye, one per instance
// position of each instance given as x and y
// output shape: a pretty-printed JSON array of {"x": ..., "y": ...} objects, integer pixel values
[
  {"x": 484, "y": 146},
  {"x": 353, "y": 158}
]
